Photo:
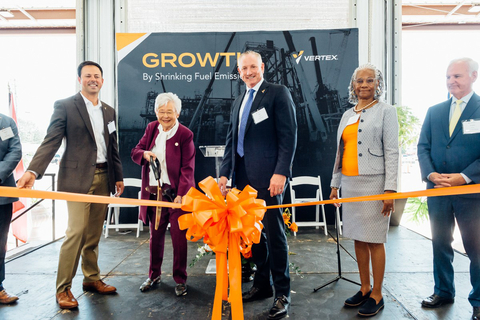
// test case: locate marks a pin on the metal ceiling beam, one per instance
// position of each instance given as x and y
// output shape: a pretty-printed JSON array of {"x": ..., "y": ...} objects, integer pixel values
[
  {"x": 26, "y": 13},
  {"x": 438, "y": 12},
  {"x": 456, "y": 8},
  {"x": 434, "y": 10}
]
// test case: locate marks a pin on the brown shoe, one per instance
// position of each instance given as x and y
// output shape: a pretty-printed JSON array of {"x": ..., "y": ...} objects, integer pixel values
[
  {"x": 99, "y": 286},
  {"x": 66, "y": 300},
  {"x": 5, "y": 298}
]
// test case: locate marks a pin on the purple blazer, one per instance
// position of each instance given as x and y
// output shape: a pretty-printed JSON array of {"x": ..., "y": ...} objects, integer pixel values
[{"x": 180, "y": 157}]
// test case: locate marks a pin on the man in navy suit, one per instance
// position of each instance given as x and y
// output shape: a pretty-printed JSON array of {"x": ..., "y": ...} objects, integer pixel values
[
  {"x": 10, "y": 156},
  {"x": 260, "y": 146},
  {"x": 449, "y": 155}
]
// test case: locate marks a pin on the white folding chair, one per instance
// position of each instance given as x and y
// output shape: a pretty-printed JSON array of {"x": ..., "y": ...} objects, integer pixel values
[
  {"x": 313, "y": 181},
  {"x": 128, "y": 182}
]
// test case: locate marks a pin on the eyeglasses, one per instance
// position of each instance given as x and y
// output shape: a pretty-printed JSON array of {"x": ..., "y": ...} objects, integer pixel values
[
  {"x": 168, "y": 113},
  {"x": 369, "y": 81}
]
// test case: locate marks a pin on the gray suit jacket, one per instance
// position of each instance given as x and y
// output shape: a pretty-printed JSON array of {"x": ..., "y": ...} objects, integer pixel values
[
  {"x": 10, "y": 156},
  {"x": 70, "y": 121},
  {"x": 377, "y": 145}
]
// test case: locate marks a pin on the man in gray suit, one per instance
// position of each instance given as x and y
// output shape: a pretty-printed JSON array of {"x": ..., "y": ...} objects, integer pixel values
[
  {"x": 10, "y": 156},
  {"x": 90, "y": 165},
  {"x": 449, "y": 155}
]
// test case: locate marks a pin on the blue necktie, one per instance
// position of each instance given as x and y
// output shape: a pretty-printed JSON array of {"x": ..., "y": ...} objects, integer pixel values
[{"x": 243, "y": 123}]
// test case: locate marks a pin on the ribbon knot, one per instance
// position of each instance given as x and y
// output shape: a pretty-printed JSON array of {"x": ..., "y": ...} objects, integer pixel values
[{"x": 230, "y": 226}]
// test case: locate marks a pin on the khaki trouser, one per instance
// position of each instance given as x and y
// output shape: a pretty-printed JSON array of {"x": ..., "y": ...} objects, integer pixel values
[{"x": 85, "y": 224}]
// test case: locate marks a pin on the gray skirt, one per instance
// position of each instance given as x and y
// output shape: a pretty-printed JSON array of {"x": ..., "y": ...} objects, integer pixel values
[{"x": 364, "y": 221}]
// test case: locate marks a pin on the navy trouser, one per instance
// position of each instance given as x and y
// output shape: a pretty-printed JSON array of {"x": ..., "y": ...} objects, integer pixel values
[
  {"x": 271, "y": 254},
  {"x": 5, "y": 218},
  {"x": 442, "y": 212}
]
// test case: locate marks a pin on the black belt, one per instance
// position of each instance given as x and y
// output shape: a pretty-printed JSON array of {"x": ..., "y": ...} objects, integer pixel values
[{"x": 102, "y": 165}]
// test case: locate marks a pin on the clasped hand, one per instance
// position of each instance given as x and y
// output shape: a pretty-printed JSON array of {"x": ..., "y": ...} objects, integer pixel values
[{"x": 442, "y": 180}]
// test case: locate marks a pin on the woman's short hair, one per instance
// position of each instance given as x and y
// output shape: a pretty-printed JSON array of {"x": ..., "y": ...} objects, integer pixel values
[
  {"x": 164, "y": 98},
  {"x": 379, "y": 91}
]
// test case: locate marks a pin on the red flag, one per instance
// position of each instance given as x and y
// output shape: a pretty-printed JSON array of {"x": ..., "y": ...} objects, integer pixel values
[{"x": 19, "y": 227}]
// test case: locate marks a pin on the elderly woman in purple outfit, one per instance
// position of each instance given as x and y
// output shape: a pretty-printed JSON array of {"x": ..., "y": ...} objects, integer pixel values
[{"x": 171, "y": 143}]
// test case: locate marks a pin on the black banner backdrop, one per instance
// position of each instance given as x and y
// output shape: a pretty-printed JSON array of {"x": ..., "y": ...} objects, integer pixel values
[{"x": 201, "y": 68}]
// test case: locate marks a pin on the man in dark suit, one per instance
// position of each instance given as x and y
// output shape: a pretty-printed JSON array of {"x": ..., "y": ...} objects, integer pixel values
[
  {"x": 260, "y": 146},
  {"x": 449, "y": 155},
  {"x": 91, "y": 165},
  {"x": 10, "y": 156}
]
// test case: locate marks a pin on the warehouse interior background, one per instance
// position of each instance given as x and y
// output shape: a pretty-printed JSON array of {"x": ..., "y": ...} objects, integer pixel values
[{"x": 42, "y": 42}]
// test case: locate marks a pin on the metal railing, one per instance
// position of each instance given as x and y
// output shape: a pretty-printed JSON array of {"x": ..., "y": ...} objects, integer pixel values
[{"x": 53, "y": 175}]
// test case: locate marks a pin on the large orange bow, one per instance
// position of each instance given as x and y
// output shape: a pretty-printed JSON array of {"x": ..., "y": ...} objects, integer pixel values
[{"x": 226, "y": 226}]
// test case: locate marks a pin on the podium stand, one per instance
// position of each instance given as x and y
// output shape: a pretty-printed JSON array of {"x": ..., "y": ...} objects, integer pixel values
[{"x": 216, "y": 152}]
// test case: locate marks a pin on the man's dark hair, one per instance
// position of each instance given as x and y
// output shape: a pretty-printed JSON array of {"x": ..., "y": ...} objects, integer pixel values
[{"x": 88, "y": 63}]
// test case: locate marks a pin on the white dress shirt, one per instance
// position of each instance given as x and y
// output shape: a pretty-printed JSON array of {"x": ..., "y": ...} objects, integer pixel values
[
  {"x": 159, "y": 150},
  {"x": 462, "y": 105},
  {"x": 245, "y": 98},
  {"x": 96, "y": 119}
]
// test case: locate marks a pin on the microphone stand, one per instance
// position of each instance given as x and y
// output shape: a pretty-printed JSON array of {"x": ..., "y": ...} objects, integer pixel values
[{"x": 339, "y": 276}]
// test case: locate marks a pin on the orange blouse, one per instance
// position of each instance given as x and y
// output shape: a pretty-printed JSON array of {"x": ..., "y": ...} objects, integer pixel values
[{"x": 349, "y": 159}]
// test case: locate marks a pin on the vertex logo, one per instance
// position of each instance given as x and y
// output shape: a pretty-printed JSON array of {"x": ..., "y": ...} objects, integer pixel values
[
  {"x": 324, "y": 57},
  {"x": 298, "y": 56}
]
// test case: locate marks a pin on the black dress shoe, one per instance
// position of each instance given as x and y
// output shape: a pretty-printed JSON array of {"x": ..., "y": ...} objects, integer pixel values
[
  {"x": 435, "y": 301},
  {"x": 279, "y": 309},
  {"x": 370, "y": 308},
  {"x": 476, "y": 313},
  {"x": 357, "y": 300},
  {"x": 256, "y": 293}
]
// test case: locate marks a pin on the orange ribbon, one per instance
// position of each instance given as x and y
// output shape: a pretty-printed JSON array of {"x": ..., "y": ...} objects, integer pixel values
[
  {"x": 436, "y": 192},
  {"x": 234, "y": 225},
  {"x": 77, "y": 197},
  {"x": 226, "y": 226}
]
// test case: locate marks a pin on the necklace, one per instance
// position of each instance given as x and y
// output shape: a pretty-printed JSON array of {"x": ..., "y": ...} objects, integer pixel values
[{"x": 366, "y": 107}]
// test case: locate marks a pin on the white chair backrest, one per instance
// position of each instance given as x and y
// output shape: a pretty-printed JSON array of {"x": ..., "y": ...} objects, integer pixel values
[
  {"x": 132, "y": 182},
  {"x": 315, "y": 181},
  {"x": 305, "y": 180}
]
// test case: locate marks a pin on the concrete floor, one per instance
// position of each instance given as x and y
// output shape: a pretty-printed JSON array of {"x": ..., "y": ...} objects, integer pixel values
[{"x": 124, "y": 264}]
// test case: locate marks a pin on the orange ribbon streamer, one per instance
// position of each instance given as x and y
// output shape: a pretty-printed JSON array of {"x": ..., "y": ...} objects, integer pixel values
[
  {"x": 436, "y": 192},
  {"x": 77, "y": 197},
  {"x": 56, "y": 195},
  {"x": 228, "y": 227},
  {"x": 232, "y": 225}
]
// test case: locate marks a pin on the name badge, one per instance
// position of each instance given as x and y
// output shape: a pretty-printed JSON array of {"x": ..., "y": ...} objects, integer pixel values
[
  {"x": 353, "y": 119},
  {"x": 260, "y": 115},
  {"x": 111, "y": 127},
  {"x": 471, "y": 126},
  {"x": 6, "y": 133}
]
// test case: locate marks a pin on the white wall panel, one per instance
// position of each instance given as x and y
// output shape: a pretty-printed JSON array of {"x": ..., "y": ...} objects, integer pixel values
[
  {"x": 234, "y": 15},
  {"x": 377, "y": 21}
]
